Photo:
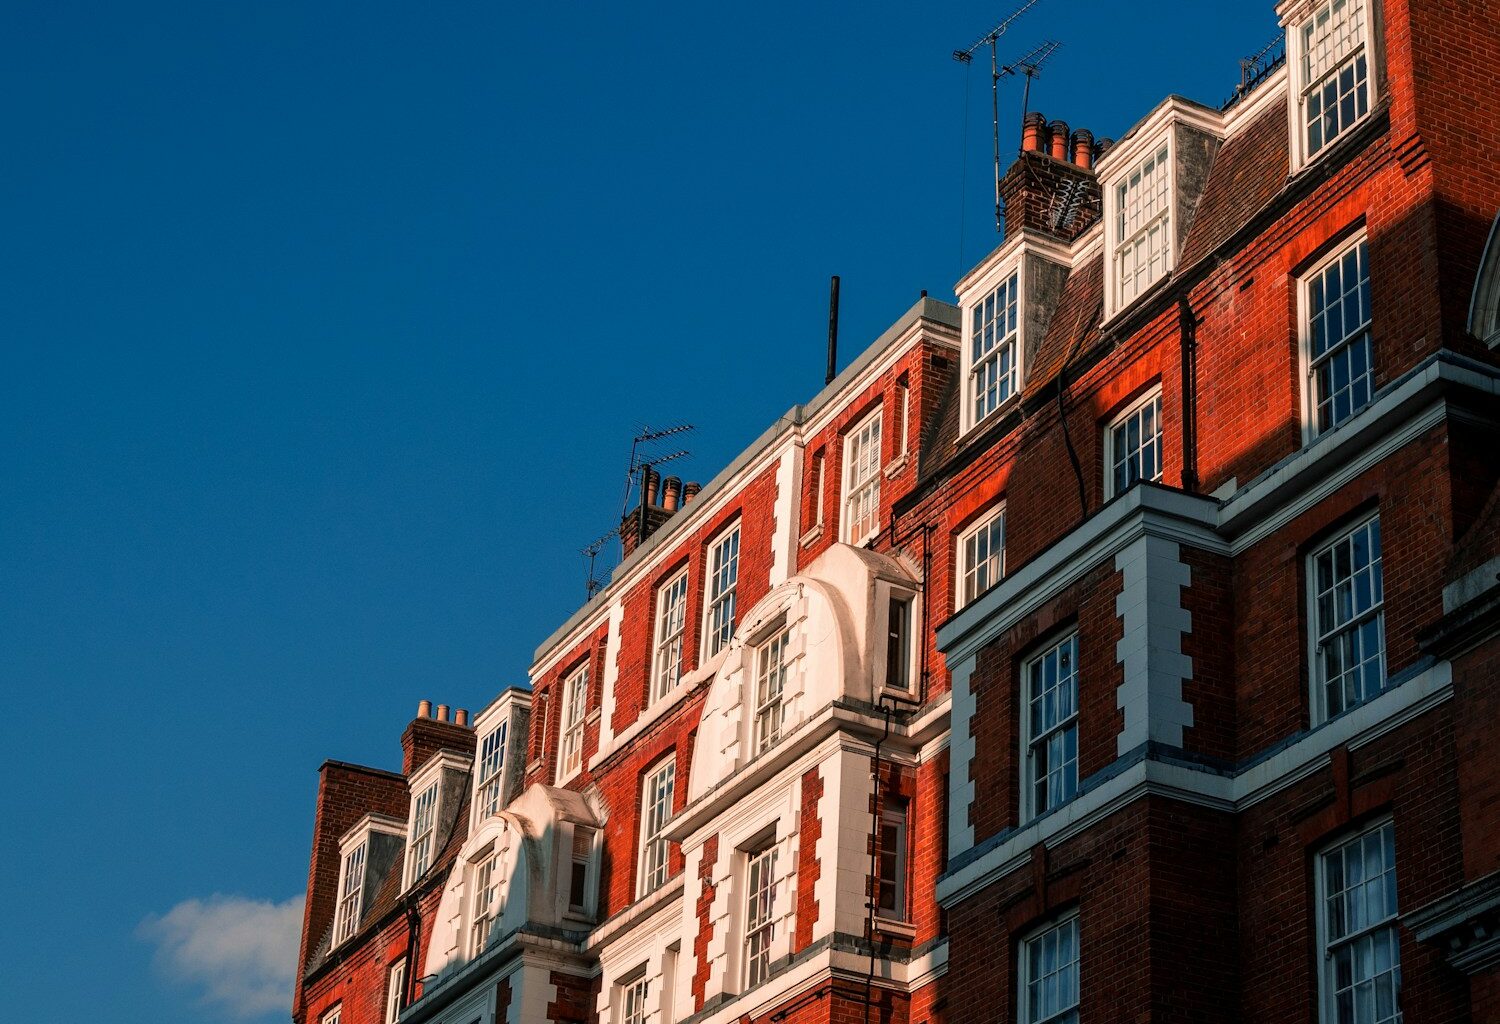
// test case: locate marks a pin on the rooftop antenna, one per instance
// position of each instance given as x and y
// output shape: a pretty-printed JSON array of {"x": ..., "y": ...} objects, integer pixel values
[
  {"x": 592, "y": 582},
  {"x": 645, "y": 449},
  {"x": 991, "y": 39},
  {"x": 1255, "y": 67},
  {"x": 1031, "y": 66}
]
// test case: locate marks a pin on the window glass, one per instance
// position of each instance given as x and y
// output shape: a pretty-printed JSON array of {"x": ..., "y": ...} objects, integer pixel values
[
  {"x": 1135, "y": 446},
  {"x": 1341, "y": 359},
  {"x": 1049, "y": 970},
  {"x": 993, "y": 333},
  {"x": 723, "y": 576},
  {"x": 862, "y": 481},
  {"x": 1051, "y": 721},
  {"x": 1361, "y": 959},
  {"x": 1349, "y": 619}
]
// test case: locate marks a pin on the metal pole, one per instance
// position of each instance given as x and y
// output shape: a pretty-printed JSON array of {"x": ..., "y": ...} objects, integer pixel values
[{"x": 995, "y": 112}]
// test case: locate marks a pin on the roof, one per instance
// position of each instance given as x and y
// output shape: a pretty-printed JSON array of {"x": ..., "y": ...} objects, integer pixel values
[{"x": 1249, "y": 170}]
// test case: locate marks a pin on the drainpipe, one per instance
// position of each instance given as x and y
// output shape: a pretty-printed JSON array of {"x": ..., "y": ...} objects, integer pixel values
[
  {"x": 1188, "y": 323},
  {"x": 874, "y": 860}
]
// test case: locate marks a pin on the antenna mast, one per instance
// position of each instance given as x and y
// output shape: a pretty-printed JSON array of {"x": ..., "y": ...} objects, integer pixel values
[{"x": 991, "y": 39}]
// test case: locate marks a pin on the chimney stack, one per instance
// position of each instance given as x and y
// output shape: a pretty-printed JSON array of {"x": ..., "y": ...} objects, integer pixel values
[
  {"x": 429, "y": 733},
  {"x": 1051, "y": 188}
]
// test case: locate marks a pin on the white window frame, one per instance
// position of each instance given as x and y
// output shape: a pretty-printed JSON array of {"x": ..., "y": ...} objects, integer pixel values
[
  {"x": 333, "y": 1016},
  {"x": 585, "y": 842},
  {"x": 633, "y": 998},
  {"x": 1312, "y": 429},
  {"x": 351, "y": 890},
  {"x": 575, "y": 701},
  {"x": 422, "y": 840},
  {"x": 760, "y": 913},
  {"x": 486, "y": 898},
  {"x": 1320, "y": 632},
  {"x": 1026, "y": 1010},
  {"x": 897, "y": 815},
  {"x": 658, "y": 793},
  {"x": 1385, "y": 928},
  {"x": 964, "y": 593},
  {"x": 863, "y": 471},
  {"x": 1013, "y": 277},
  {"x": 1117, "y": 241},
  {"x": 1302, "y": 88},
  {"x": 395, "y": 991},
  {"x": 903, "y": 407},
  {"x": 491, "y": 771},
  {"x": 770, "y": 664},
  {"x": 671, "y": 633},
  {"x": 1069, "y": 722},
  {"x": 721, "y": 583},
  {"x": 1121, "y": 422}
]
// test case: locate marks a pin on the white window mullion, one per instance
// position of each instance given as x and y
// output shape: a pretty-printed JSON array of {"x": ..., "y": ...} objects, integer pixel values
[
  {"x": 1049, "y": 725},
  {"x": 1347, "y": 589},
  {"x": 575, "y": 702},
  {"x": 1047, "y": 975},
  {"x": 760, "y": 924},
  {"x": 981, "y": 556},
  {"x": 1360, "y": 966},
  {"x": 770, "y": 684}
]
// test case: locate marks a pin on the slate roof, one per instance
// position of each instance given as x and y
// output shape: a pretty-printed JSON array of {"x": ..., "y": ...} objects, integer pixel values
[{"x": 1249, "y": 170}]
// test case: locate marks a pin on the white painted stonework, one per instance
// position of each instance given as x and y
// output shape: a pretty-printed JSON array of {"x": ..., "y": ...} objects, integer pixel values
[{"x": 1150, "y": 607}]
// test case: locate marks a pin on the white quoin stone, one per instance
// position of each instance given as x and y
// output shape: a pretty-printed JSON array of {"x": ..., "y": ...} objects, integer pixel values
[{"x": 1150, "y": 607}]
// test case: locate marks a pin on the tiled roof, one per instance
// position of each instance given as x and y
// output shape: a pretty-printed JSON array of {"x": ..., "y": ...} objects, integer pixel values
[
  {"x": 1248, "y": 171},
  {"x": 1078, "y": 311}
]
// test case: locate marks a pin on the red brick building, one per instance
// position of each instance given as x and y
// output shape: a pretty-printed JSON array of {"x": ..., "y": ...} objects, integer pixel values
[{"x": 1119, "y": 643}]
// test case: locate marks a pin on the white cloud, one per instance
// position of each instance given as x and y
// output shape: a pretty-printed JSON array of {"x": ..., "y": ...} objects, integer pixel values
[{"x": 240, "y": 953}]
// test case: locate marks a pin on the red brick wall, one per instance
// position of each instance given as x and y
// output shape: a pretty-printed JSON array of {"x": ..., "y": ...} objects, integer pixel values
[
  {"x": 996, "y": 682},
  {"x": 576, "y": 999},
  {"x": 701, "y": 892},
  {"x": 346, "y": 793},
  {"x": 809, "y": 867}
]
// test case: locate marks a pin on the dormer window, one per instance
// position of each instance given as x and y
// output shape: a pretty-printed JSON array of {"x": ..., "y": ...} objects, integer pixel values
[
  {"x": 993, "y": 349},
  {"x": 491, "y": 767},
  {"x": 1332, "y": 76},
  {"x": 423, "y": 829},
  {"x": 367, "y": 853},
  {"x": 351, "y": 892},
  {"x": 1142, "y": 226}
]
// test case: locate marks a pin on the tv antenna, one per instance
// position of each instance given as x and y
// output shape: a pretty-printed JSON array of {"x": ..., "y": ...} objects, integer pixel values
[
  {"x": 992, "y": 40},
  {"x": 593, "y": 583},
  {"x": 1257, "y": 65},
  {"x": 647, "y": 450}
]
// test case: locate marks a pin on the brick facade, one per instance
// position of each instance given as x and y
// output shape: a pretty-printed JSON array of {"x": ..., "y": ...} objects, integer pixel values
[{"x": 1209, "y": 782}]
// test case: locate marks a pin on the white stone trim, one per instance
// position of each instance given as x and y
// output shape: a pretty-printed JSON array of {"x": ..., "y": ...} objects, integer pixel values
[
  {"x": 785, "y": 514},
  {"x": 610, "y": 677},
  {"x": 1150, "y": 607},
  {"x": 1306, "y": 756}
]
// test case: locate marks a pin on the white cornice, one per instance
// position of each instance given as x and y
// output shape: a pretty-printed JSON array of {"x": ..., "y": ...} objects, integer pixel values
[
  {"x": 1228, "y": 793},
  {"x": 1269, "y": 91},
  {"x": 988, "y": 271},
  {"x": 1131, "y": 149},
  {"x": 372, "y": 822}
]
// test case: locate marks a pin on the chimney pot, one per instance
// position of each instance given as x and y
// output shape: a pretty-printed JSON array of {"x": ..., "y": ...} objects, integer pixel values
[
  {"x": 1083, "y": 148},
  {"x": 653, "y": 482},
  {"x": 1059, "y": 140},
  {"x": 1031, "y": 132},
  {"x": 690, "y": 491},
  {"x": 461, "y": 717},
  {"x": 671, "y": 492},
  {"x": 1104, "y": 146},
  {"x": 442, "y": 714},
  {"x": 424, "y": 709}
]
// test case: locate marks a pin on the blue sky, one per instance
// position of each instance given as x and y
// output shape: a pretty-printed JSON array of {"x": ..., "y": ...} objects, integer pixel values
[{"x": 326, "y": 330}]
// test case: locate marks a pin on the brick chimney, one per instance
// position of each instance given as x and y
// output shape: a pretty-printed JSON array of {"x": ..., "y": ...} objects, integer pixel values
[
  {"x": 1051, "y": 188},
  {"x": 429, "y": 733},
  {"x": 660, "y": 500}
]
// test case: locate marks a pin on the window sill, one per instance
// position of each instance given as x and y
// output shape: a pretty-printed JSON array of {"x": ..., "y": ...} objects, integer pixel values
[
  {"x": 896, "y": 467},
  {"x": 895, "y": 929},
  {"x": 811, "y": 535}
]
